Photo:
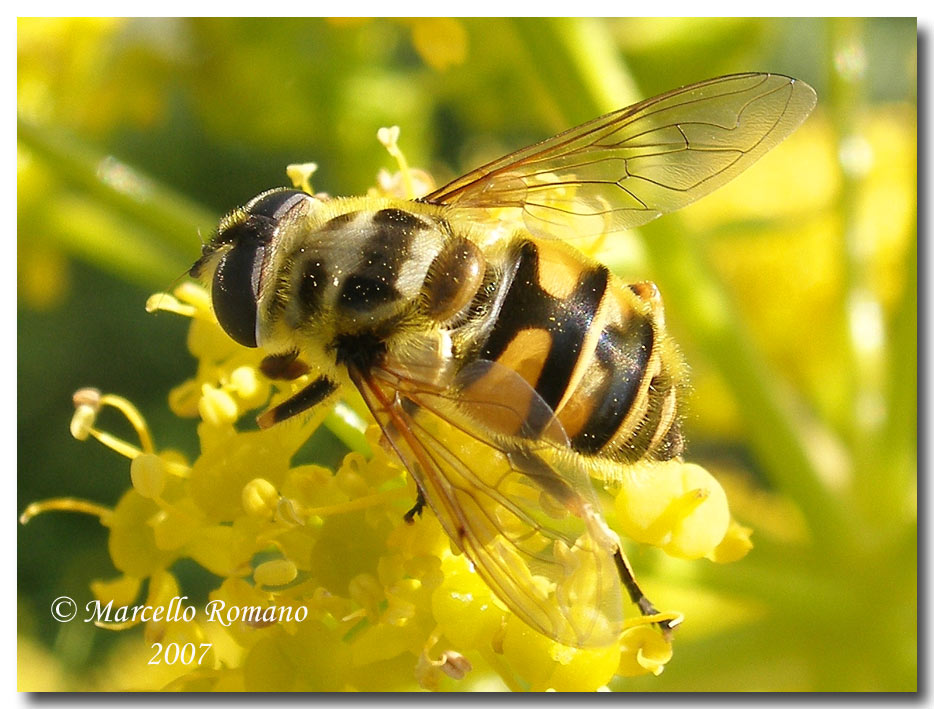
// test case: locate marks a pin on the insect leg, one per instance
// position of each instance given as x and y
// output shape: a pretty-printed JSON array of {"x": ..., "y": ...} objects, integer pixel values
[
  {"x": 316, "y": 392},
  {"x": 646, "y": 607},
  {"x": 417, "y": 507},
  {"x": 411, "y": 408}
]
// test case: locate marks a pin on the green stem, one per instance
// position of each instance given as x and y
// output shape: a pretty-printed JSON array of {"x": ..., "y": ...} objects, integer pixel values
[
  {"x": 173, "y": 217},
  {"x": 344, "y": 422},
  {"x": 879, "y": 358},
  {"x": 568, "y": 58},
  {"x": 92, "y": 232},
  {"x": 890, "y": 472}
]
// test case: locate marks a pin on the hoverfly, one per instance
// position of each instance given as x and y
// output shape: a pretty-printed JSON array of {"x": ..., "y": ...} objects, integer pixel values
[{"x": 504, "y": 367}]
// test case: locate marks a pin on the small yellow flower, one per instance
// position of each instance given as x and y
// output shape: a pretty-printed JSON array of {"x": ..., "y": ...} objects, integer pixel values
[
  {"x": 260, "y": 498},
  {"x": 275, "y": 573},
  {"x": 678, "y": 507},
  {"x": 441, "y": 41},
  {"x": 147, "y": 473},
  {"x": 643, "y": 651}
]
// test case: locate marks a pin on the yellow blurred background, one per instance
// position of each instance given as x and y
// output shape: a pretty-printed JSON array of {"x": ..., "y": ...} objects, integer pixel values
[{"x": 792, "y": 291}]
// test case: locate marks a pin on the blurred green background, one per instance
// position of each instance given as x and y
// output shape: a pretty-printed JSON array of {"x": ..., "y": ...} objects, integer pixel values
[{"x": 792, "y": 290}]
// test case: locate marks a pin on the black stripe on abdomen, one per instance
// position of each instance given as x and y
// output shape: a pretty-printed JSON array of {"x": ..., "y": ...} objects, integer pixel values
[
  {"x": 622, "y": 355},
  {"x": 528, "y": 306}
]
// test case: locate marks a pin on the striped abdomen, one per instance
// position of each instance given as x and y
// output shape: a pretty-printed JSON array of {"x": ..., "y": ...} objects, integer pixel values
[{"x": 592, "y": 347}]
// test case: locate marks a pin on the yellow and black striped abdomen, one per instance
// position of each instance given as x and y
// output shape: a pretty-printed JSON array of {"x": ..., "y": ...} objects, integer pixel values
[{"x": 593, "y": 348}]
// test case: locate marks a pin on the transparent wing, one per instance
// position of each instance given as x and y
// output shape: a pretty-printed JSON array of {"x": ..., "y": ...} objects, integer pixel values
[
  {"x": 488, "y": 462},
  {"x": 630, "y": 166}
]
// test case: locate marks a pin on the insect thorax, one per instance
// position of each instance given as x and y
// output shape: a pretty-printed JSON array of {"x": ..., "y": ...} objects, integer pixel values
[{"x": 366, "y": 272}]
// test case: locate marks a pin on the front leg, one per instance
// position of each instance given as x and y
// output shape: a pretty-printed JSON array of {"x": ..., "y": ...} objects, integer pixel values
[
  {"x": 313, "y": 394},
  {"x": 288, "y": 366},
  {"x": 416, "y": 508},
  {"x": 646, "y": 607}
]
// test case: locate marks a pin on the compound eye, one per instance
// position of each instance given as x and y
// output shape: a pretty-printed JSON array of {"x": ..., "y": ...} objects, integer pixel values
[
  {"x": 275, "y": 203},
  {"x": 235, "y": 291}
]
